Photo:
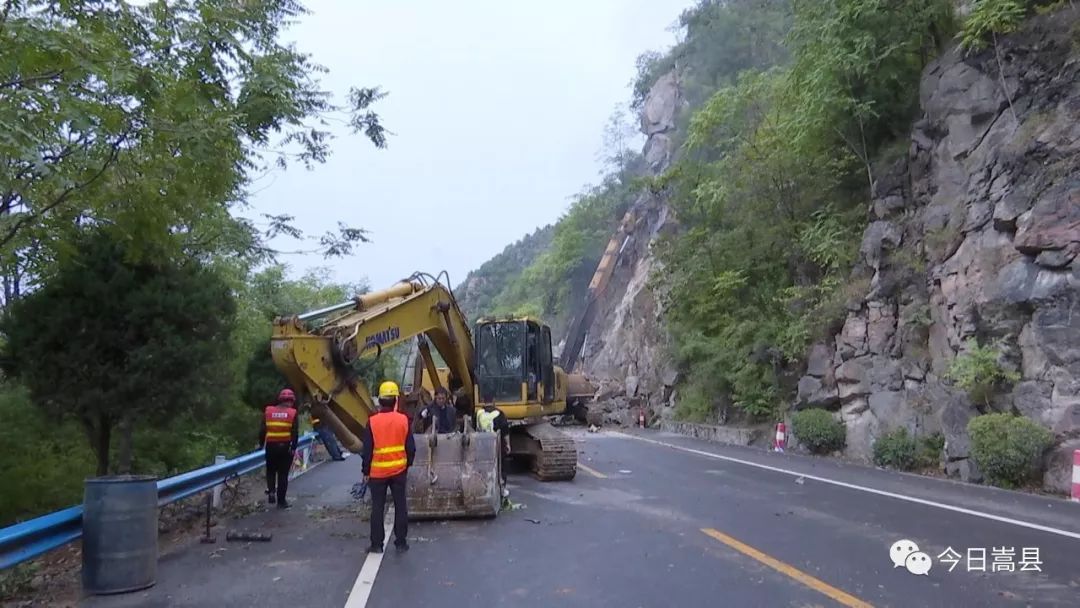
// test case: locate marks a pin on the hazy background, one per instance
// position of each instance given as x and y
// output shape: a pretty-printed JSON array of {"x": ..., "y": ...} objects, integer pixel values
[{"x": 498, "y": 110}]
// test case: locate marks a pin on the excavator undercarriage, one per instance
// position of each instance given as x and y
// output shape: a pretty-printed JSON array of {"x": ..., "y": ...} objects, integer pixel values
[{"x": 552, "y": 455}]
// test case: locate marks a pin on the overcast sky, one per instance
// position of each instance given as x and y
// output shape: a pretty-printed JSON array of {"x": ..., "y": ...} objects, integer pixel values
[{"x": 498, "y": 110}]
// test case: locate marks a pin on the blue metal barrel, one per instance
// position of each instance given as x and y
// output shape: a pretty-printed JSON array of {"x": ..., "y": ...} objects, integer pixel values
[{"x": 120, "y": 533}]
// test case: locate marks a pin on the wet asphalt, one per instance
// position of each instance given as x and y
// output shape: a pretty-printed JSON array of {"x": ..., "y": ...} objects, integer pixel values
[{"x": 649, "y": 524}]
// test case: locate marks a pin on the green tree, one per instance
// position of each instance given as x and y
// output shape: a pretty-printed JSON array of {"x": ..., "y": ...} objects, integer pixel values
[
  {"x": 150, "y": 121},
  {"x": 856, "y": 64},
  {"x": 115, "y": 343},
  {"x": 988, "y": 18}
]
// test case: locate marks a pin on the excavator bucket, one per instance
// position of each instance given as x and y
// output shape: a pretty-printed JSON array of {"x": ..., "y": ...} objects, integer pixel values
[{"x": 455, "y": 475}]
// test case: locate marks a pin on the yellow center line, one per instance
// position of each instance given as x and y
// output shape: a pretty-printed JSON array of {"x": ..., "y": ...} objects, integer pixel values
[
  {"x": 591, "y": 471},
  {"x": 804, "y": 578}
]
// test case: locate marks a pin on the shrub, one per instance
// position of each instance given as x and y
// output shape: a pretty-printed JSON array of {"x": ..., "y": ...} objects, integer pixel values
[
  {"x": 694, "y": 405},
  {"x": 1007, "y": 448},
  {"x": 896, "y": 450},
  {"x": 928, "y": 454},
  {"x": 818, "y": 430},
  {"x": 978, "y": 372}
]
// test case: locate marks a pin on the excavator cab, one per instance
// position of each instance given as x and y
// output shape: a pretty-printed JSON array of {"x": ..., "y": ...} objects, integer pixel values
[{"x": 514, "y": 364}]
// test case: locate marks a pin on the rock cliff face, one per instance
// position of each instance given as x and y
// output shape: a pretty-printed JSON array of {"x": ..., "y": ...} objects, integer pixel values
[
  {"x": 626, "y": 346},
  {"x": 974, "y": 234}
]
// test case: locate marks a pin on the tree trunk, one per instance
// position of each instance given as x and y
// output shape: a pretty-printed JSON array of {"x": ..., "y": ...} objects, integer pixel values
[
  {"x": 1004, "y": 87},
  {"x": 124, "y": 466},
  {"x": 102, "y": 439}
]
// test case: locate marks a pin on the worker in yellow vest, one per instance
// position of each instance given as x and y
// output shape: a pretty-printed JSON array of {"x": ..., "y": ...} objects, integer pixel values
[
  {"x": 387, "y": 455},
  {"x": 492, "y": 420}
]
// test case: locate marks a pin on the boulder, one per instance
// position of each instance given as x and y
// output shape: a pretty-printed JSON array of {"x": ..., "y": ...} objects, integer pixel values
[
  {"x": 1034, "y": 363},
  {"x": 862, "y": 431},
  {"x": 954, "y": 417},
  {"x": 853, "y": 378},
  {"x": 879, "y": 236},
  {"x": 609, "y": 390},
  {"x": 1053, "y": 224},
  {"x": 1059, "y": 467},
  {"x": 812, "y": 392},
  {"x": 891, "y": 410},
  {"x": 880, "y": 327},
  {"x": 1015, "y": 203},
  {"x": 888, "y": 206},
  {"x": 819, "y": 362},
  {"x": 1056, "y": 259},
  {"x": 657, "y": 151},
  {"x": 852, "y": 339},
  {"x": 1055, "y": 327},
  {"x": 963, "y": 99},
  {"x": 669, "y": 376},
  {"x": 854, "y": 408},
  {"x": 1032, "y": 399},
  {"x": 660, "y": 106},
  {"x": 885, "y": 374}
]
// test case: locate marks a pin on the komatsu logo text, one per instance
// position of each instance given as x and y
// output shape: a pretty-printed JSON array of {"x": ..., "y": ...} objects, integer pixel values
[{"x": 382, "y": 337}]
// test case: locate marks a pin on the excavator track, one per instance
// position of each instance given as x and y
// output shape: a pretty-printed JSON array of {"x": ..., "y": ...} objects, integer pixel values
[{"x": 555, "y": 456}]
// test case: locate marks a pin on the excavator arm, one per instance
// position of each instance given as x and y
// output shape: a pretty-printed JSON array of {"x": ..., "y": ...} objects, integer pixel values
[{"x": 318, "y": 352}]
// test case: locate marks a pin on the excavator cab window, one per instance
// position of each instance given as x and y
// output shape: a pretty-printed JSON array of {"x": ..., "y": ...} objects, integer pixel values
[
  {"x": 547, "y": 369},
  {"x": 533, "y": 360},
  {"x": 500, "y": 350}
]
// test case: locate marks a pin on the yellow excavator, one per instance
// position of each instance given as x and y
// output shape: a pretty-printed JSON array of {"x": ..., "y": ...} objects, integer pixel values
[{"x": 322, "y": 354}]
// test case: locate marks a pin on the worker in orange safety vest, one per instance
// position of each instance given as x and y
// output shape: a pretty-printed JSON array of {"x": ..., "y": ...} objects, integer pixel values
[
  {"x": 279, "y": 435},
  {"x": 387, "y": 455}
]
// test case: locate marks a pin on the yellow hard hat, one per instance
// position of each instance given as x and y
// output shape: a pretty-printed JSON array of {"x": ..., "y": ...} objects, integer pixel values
[{"x": 388, "y": 389}]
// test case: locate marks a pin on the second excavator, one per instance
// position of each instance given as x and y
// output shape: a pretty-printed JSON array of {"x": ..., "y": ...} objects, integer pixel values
[{"x": 323, "y": 352}]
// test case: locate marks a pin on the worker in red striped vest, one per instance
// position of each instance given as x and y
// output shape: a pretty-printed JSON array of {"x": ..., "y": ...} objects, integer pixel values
[{"x": 279, "y": 434}]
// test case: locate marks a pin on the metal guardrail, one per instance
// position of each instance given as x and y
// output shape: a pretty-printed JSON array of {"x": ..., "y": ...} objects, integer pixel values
[{"x": 29, "y": 539}]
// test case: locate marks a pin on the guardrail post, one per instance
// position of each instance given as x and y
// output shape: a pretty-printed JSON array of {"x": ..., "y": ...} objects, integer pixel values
[{"x": 220, "y": 458}]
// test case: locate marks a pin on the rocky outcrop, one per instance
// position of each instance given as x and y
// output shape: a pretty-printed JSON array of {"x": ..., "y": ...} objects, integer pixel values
[
  {"x": 627, "y": 345},
  {"x": 973, "y": 234}
]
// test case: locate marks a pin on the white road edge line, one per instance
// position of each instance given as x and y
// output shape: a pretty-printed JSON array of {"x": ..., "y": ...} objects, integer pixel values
[
  {"x": 921, "y": 501},
  {"x": 361, "y": 589}
]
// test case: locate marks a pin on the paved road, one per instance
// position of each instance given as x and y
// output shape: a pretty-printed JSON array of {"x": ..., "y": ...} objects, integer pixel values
[{"x": 655, "y": 520}]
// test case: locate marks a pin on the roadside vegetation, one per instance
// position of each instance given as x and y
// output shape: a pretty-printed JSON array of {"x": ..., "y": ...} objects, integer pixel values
[
  {"x": 818, "y": 430},
  {"x": 902, "y": 451},
  {"x": 137, "y": 299},
  {"x": 1007, "y": 448}
]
